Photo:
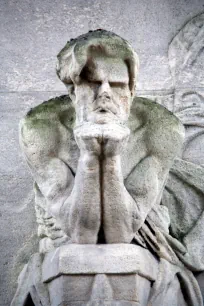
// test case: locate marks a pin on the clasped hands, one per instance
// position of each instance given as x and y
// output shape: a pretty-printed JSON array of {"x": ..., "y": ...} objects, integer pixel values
[
  {"x": 101, "y": 140},
  {"x": 99, "y": 199}
]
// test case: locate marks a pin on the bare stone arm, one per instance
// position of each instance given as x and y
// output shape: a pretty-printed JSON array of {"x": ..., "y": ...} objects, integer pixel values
[
  {"x": 82, "y": 210},
  {"x": 127, "y": 204},
  {"x": 124, "y": 212},
  {"x": 75, "y": 203},
  {"x": 118, "y": 206},
  {"x": 120, "y": 212},
  {"x": 123, "y": 215},
  {"x": 80, "y": 214}
]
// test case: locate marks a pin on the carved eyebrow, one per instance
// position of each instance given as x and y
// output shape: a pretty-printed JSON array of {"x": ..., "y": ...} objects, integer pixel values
[
  {"x": 98, "y": 82},
  {"x": 118, "y": 84},
  {"x": 87, "y": 75}
]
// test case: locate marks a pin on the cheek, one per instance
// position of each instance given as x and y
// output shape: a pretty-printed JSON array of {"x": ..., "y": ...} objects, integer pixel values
[
  {"x": 84, "y": 96},
  {"x": 123, "y": 99},
  {"x": 125, "y": 103}
]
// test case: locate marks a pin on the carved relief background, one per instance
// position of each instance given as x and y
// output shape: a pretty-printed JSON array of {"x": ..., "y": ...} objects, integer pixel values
[{"x": 172, "y": 65}]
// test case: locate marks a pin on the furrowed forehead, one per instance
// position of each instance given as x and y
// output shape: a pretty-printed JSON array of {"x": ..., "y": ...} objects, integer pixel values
[
  {"x": 74, "y": 57},
  {"x": 113, "y": 69}
]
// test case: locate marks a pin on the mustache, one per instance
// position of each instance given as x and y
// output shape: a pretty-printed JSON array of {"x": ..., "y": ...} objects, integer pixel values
[{"x": 105, "y": 103}]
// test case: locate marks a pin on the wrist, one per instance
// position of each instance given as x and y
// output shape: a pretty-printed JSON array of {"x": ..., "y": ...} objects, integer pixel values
[
  {"x": 89, "y": 161},
  {"x": 113, "y": 161}
]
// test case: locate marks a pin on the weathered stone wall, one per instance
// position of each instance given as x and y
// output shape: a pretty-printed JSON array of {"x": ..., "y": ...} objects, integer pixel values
[{"x": 32, "y": 33}]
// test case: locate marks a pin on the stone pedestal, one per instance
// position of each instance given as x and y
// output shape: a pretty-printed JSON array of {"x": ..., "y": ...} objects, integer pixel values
[
  {"x": 99, "y": 275},
  {"x": 115, "y": 274}
]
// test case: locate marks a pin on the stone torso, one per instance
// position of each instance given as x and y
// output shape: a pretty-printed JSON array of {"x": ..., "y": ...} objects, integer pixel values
[
  {"x": 53, "y": 122},
  {"x": 54, "y": 119}
]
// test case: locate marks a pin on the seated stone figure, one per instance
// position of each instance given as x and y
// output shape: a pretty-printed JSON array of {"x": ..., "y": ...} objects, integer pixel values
[
  {"x": 100, "y": 158},
  {"x": 100, "y": 185}
]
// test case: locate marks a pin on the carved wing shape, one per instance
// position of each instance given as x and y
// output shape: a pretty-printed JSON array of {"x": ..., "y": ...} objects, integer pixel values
[{"x": 184, "y": 191}]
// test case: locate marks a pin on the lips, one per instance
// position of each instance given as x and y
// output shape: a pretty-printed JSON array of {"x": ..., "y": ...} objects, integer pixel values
[
  {"x": 103, "y": 105},
  {"x": 102, "y": 110}
]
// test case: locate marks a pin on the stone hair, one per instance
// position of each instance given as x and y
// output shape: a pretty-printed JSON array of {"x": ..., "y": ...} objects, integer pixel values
[{"x": 74, "y": 56}]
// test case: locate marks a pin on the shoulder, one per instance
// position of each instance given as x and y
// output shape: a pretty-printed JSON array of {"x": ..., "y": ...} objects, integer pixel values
[
  {"x": 58, "y": 108},
  {"x": 164, "y": 131},
  {"x": 42, "y": 124},
  {"x": 156, "y": 114}
]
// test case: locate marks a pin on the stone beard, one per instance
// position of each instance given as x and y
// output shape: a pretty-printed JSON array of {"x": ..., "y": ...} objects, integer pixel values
[{"x": 100, "y": 158}]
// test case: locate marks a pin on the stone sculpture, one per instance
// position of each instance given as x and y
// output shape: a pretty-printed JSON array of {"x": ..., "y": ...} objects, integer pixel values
[{"x": 100, "y": 158}]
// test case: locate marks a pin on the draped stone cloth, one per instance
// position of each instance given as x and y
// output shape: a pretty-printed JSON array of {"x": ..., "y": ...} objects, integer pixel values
[
  {"x": 184, "y": 196},
  {"x": 181, "y": 249}
]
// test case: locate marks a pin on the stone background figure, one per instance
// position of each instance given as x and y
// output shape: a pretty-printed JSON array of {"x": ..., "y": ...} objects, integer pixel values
[
  {"x": 186, "y": 176},
  {"x": 28, "y": 78}
]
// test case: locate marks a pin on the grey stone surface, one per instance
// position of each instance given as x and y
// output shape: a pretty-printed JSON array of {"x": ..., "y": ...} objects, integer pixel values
[
  {"x": 100, "y": 137},
  {"x": 88, "y": 275},
  {"x": 18, "y": 222},
  {"x": 106, "y": 285},
  {"x": 186, "y": 180},
  {"x": 32, "y": 33},
  {"x": 91, "y": 283},
  {"x": 99, "y": 259}
]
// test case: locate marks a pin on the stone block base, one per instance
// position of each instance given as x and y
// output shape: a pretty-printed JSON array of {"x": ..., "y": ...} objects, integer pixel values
[
  {"x": 117, "y": 274},
  {"x": 99, "y": 289},
  {"x": 99, "y": 275}
]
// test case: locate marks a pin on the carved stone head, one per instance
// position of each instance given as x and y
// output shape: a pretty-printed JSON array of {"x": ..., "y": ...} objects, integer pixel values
[{"x": 99, "y": 70}]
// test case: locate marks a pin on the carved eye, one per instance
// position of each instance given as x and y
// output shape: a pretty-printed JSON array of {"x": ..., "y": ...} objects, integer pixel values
[
  {"x": 95, "y": 82},
  {"x": 117, "y": 84}
]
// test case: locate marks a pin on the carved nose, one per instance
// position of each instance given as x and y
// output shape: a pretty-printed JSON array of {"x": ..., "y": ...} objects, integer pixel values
[
  {"x": 104, "y": 90},
  {"x": 105, "y": 96}
]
